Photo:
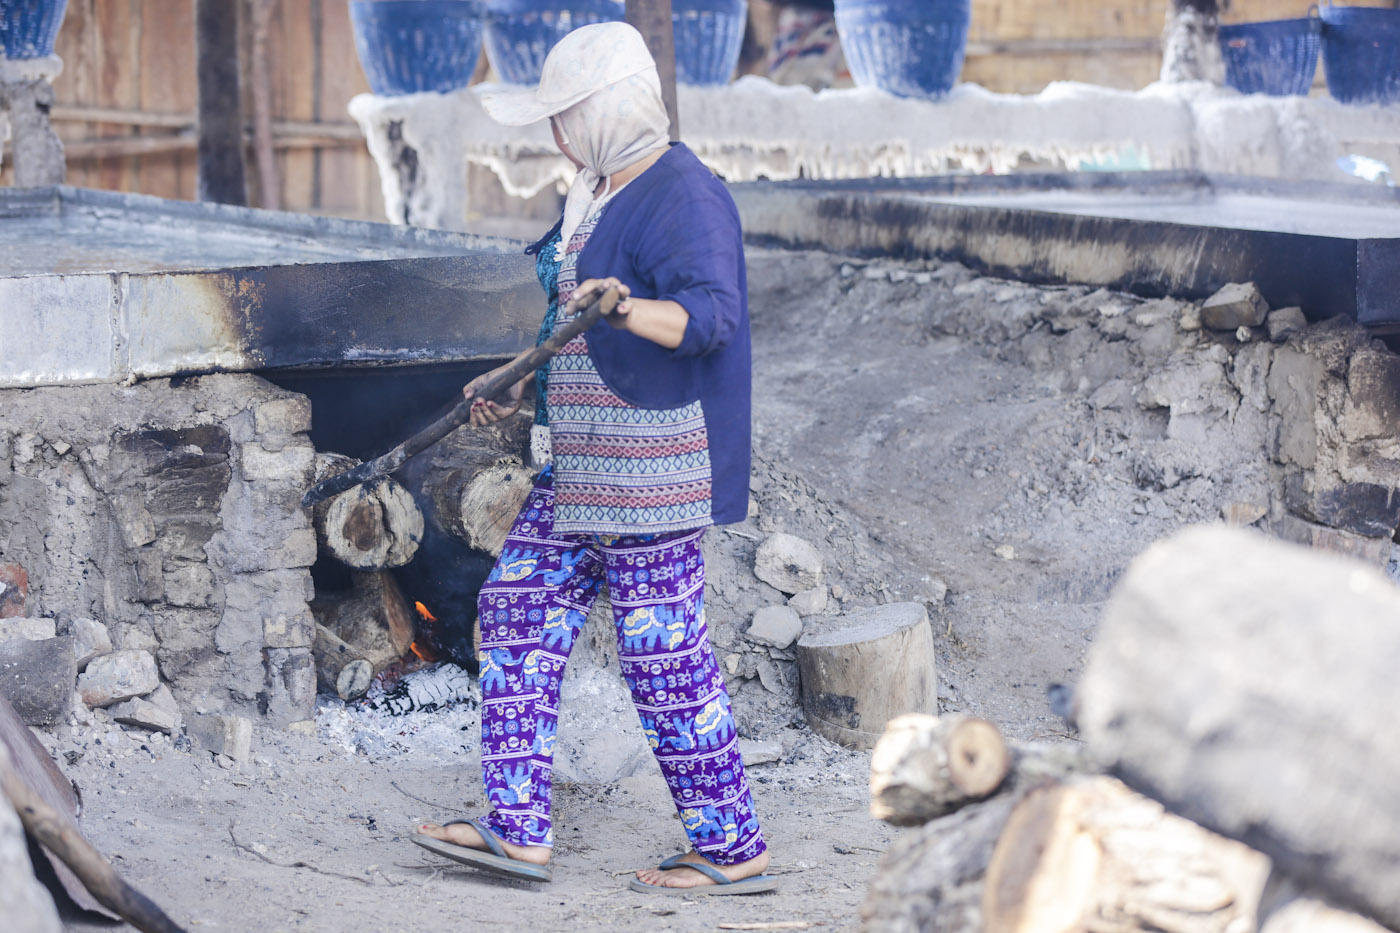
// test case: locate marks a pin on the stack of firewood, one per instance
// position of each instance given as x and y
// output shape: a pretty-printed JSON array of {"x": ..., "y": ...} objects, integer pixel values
[{"x": 1239, "y": 769}]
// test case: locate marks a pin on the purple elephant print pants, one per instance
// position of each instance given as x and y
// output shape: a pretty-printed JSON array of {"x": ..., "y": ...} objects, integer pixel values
[{"x": 531, "y": 608}]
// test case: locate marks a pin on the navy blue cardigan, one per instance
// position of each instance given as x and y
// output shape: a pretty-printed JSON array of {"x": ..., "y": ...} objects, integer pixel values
[{"x": 673, "y": 233}]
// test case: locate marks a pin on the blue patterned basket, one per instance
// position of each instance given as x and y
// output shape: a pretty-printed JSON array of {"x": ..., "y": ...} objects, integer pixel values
[
  {"x": 411, "y": 46},
  {"x": 912, "y": 48},
  {"x": 1278, "y": 57},
  {"x": 520, "y": 33},
  {"x": 709, "y": 34},
  {"x": 29, "y": 28},
  {"x": 1361, "y": 53}
]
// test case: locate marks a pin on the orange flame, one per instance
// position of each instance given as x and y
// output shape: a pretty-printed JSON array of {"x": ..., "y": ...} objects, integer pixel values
[
  {"x": 413, "y": 646},
  {"x": 423, "y": 611}
]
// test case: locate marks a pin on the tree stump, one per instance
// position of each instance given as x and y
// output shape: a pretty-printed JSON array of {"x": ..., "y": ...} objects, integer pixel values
[
  {"x": 860, "y": 670},
  {"x": 1250, "y": 686},
  {"x": 373, "y": 526},
  {"x": 1089, "y": 854},
  {"x": 925, "y": 766}
]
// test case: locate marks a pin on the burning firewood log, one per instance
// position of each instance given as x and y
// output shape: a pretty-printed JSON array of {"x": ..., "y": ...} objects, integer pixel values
[
  {"x": 925, "y": 766},
  {"x": 369, "y": 527},
  {"x": 359, "y": 633}
]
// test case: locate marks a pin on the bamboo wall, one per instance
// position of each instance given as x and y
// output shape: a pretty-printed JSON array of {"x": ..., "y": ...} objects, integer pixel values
[{"x": 126, "y": 98}]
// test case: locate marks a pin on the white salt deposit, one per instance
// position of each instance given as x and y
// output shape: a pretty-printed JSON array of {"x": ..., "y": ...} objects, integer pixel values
[{"x": 754, "y": 129}]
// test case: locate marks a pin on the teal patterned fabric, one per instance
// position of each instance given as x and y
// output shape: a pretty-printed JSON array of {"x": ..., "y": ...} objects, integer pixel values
[{"x": 547, "y": 268}]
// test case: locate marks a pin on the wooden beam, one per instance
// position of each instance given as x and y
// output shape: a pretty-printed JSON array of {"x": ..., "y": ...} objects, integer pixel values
[
  {"x": 220, "y": 103},
  {"x": 652, "y": 18}
]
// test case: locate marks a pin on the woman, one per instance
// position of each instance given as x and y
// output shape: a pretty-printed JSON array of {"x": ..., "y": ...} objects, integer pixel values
[{"x": 646, "y": 419}]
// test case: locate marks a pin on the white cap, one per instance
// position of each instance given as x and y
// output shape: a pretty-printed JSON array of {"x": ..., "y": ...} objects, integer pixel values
[{"x": 583, "y": 62}]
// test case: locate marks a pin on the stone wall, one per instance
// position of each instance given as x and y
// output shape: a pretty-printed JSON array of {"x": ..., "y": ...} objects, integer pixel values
[{"x": 169, "y": 510}]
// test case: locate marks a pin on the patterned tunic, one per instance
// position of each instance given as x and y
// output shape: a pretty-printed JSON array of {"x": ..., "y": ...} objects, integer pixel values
[{"x": 619, "y": 468}]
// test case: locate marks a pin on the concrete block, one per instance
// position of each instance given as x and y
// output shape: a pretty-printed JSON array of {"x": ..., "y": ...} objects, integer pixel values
[
  {"x": 283, "y": 416},
  {"x": 1361, "y": 508},
  {"x": 1372, "y": 408},
  {"x": 788, "y": 563},
  {"x": 14, "y": 591},
  {"x": 292, "y": 464},
  {"x": 1237, "y": 305},
  {"x": 118, "y": 676},
  {"x": 90, "y": 640},
  {"x": 810, "y": 602},
  {"x": 37, "y": 678},
  {"x": 777, "y": 626},
  {"x": 1285, "y": 321},
  {"x": 31, "y": 629},
  {"x": 231, "y": 736}
]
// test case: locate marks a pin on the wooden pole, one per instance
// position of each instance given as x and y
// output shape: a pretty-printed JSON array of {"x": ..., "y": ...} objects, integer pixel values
[
  {"x": 269, "y": 185},
  {"x": 61, "y": 838},
  {"x": 220, "y": 103},
  {"x": 652, "y": 18}
]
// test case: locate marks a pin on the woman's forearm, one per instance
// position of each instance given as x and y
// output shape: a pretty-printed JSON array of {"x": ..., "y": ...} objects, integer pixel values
[{"x": 661, "y": 322}]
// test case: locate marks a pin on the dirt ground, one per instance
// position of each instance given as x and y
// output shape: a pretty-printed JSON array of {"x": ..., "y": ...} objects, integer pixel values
[{"x": 952, "y": 443}]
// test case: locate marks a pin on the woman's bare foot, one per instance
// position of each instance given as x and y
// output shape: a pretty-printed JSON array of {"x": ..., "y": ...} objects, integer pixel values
[
  {"x": 685, "y": 878},
  {"x": 463, "y": 835}
]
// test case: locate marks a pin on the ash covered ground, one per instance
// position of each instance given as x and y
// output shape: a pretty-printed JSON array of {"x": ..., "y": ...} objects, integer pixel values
[{"x": 995, "y": 450}]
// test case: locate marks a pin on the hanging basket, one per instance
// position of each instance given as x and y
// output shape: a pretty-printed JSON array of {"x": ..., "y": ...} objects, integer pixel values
[
  {"x": 28, "y": 28},
  {"x": 911, "y": 48},
  {"x": 520, "y": 33},
  {"x": 1278, "y": 57},
  {"x": 709, "y": 34},
  {"x": 1361, "y": 53},
  {"x": 412, "y": 46}
]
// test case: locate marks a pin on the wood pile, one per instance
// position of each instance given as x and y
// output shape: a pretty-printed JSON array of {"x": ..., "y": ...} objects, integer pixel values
[{"x": 1239, "y": 772}]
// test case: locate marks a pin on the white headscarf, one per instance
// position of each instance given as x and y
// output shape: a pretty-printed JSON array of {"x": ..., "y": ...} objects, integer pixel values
[{"x": 607, "y": 131}]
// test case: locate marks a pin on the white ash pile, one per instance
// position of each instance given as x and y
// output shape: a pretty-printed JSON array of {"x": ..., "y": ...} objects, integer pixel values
[{"x": 1220, "y": 788}]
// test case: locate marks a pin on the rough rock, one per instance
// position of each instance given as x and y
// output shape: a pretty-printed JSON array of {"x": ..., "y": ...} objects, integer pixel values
[
  {"x": 37, "y": 678},
  {"x": 1285, "y": 321},
  {"x": 1372, "y": 408},
  {"x": 775, "y": 626},
  {"x": 14, "y": 591},
  {"x": 788, "y": 563},
  {"x": 230, "y": 736},
  {"x": 810, "y": 602},
  {"x": 118, "y": 676},
  {"x": 283, "y": 416},
  {"x": 145, "y": 715},
  {"x": 1361, "y": 508},
  {"x": 24, "y": 903},
  {"x": 31, "y": 629},
  {"x": 90, "y": 640},
  {"x": 1237, "y": 305}
]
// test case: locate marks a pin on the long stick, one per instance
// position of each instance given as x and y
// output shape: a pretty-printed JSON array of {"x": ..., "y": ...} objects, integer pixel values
[
  {"x": 97, "y": 874},
  {"x": 522, "y": 366}
]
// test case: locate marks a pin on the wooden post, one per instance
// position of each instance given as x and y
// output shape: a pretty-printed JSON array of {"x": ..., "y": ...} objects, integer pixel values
[
  {"x": 652, "y": 18},
  {"x": 220, "y": 103}
]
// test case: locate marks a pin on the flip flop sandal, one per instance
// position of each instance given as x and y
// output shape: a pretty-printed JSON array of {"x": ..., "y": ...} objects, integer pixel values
[
  {"x": 492, "y": 859},
  {"x": 722, "y": 885}
]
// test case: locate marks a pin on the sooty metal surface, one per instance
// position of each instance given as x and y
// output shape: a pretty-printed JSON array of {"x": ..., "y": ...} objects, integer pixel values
[
  {"x": 104, "y": 287},
  {"x": 1332, "y": 249}
]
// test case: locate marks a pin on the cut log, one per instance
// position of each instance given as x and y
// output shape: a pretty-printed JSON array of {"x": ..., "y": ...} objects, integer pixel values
[
  {"x": 860, "y": 670},
  {"x": 1288, "y": 907},
  {"x": 370, "y": 527},
  {"x": 925, "y": 766},
  {"x": 38, "y": 677},
  {"x": 1090, "y": 854},
  {"x": 474, "y": 482},
  {"x": 359, "y": 633},
  {"x": 339, "y": 666},
  {"x": 1250, "y": 686}
]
